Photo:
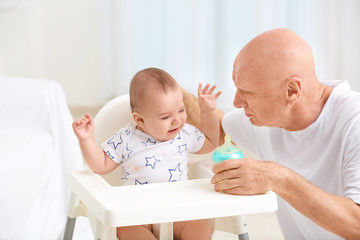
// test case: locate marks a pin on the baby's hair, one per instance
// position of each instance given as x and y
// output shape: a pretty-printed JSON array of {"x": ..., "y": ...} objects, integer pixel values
[{"x": 149, "y": 76}]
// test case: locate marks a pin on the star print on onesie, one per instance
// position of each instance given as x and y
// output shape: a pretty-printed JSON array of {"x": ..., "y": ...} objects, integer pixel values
[
  {"x": 116, "y": 140},
  {"x": 137, "y": 182},
  {"x": 177, "y": 137},
  {"x": 182, "y": 148},
  {"x": 124, "y": 174},
  {"x": 151, "y": 161},
  {"x": 175, "y": 174},
  {"x": 145, "y": 159},
  {"x": 109, "y": 154},
  {"x": 149, "y": 142},
  {"x": 127, "y": 151},
  {"x": 199, "y": 134}
]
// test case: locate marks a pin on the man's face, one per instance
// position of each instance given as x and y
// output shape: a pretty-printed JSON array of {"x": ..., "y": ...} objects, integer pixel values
[{"x": 261, "y": 96}]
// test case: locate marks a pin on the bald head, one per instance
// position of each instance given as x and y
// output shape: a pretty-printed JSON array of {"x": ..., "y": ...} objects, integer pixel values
[
  {"x": 275, "y": 56},
  {"x": 148, "y": 81},
  {"x": 276, "y": 81}
]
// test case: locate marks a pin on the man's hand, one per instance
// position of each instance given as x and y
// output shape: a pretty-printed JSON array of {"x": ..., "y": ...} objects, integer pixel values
[
  {"x": 245, "y": 176},
  {"x": 336, "y": 214}
]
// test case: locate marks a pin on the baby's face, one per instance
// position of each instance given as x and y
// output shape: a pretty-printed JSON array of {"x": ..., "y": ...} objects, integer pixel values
[{"x": 164, "y": 114}]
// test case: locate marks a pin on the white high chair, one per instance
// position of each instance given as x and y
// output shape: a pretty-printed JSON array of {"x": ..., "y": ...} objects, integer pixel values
[{"x": 108, "y": 205}]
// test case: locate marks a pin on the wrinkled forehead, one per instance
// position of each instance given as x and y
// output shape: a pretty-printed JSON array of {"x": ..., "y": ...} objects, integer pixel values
[
  {"x": 254, "y": 75},
  {"x": 247, "y": 66}
]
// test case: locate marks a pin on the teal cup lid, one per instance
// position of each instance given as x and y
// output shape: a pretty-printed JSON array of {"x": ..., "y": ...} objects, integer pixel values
[{"x": 227, "y": 151}]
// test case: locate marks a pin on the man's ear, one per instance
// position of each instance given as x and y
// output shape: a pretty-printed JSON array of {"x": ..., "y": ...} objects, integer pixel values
[
  {"x": 294, "y": 89},
  {"x": 139, "y": 120}
]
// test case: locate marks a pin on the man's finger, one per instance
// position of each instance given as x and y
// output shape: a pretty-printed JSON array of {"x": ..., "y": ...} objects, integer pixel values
[
  {"x": 227, "y": 184},
  {"x": 226, "y": 165}
]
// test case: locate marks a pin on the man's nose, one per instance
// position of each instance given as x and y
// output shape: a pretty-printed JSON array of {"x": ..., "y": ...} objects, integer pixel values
[{"x": 239, "y": 100}]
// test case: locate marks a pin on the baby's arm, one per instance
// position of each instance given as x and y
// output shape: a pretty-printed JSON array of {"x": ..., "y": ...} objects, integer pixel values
[
  {"x": 95, "y": 157},
  {"x": 209, "y": 119}
]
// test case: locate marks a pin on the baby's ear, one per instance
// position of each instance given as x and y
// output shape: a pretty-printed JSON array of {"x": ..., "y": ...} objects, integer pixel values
[{"x": 139, "y": 120}]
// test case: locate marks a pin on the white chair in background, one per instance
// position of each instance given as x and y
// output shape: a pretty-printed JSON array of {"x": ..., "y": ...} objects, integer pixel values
[
  {"x": 38, "y": 150},
  {"x": 109, "y": 205}
]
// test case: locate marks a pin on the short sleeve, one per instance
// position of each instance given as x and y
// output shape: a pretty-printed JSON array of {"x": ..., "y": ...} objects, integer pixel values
[
  {"x": 195, "y": 138},
  {"x": 114, "y": 146},
  {"x": 351, "y": 165}
]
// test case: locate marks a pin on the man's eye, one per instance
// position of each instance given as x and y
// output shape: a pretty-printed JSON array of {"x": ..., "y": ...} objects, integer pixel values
[{"x": 164, "y": 118}]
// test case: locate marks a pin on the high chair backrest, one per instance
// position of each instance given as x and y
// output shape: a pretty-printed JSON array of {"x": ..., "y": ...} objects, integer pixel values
[{"x": 112, "y": 116}]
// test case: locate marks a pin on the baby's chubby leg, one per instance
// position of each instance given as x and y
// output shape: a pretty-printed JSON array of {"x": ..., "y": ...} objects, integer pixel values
[
  {"x": 192, "y": 230},
  {"x": 143, "y": 232}
]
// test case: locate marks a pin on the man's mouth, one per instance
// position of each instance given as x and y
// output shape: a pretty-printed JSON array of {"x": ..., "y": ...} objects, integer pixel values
[{"x": 248, "y": 115}]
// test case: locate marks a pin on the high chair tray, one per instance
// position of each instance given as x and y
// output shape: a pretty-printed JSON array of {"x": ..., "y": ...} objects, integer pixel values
[{"x": 162, "y": 202}]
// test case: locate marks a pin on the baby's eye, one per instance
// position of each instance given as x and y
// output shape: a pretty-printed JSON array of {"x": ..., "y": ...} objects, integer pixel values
[
  {"x": 164, "y": 118},
  {"x": 182, "y": 110}
]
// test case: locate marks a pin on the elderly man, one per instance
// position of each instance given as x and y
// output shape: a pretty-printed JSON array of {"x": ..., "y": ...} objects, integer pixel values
[{"x": 307, "y": 133}]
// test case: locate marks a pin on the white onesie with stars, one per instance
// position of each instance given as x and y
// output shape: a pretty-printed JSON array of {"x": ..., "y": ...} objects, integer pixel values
[{"x": 144, "y": 159}]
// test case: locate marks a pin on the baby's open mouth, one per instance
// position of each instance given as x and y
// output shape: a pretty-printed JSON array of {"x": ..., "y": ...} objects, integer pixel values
[{"x": 173, "y": 130}]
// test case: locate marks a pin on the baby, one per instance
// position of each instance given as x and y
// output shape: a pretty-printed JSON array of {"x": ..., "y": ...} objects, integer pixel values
[{"x": 155, "y": 148}]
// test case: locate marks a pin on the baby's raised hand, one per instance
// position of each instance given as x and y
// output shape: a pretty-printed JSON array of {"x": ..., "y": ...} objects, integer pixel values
[
  {"x": 206, "y": 98},
  {"x": 84, "y": 127}
]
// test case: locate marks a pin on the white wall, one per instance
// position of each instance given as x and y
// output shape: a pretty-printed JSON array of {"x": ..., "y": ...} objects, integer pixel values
[
  {"x": 75, "y": 43},
  {"x": 56, "y": 40}
]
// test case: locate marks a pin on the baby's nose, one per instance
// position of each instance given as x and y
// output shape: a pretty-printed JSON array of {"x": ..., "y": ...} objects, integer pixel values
[{"x": 176, "y": 119}]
